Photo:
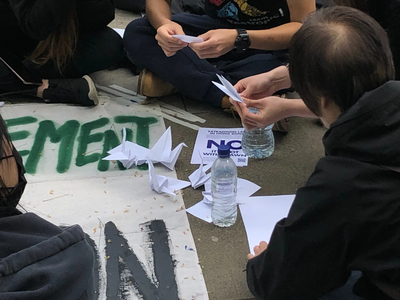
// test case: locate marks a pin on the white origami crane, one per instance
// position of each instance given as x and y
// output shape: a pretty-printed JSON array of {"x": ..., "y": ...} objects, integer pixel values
[
  {"x": 228, "y": 88},
  {"x": 161, "y": 151},
  {"x": 164, "y": 184},
  {"x": 128, "y": 153},
  {"x": 199, "y": 177}
]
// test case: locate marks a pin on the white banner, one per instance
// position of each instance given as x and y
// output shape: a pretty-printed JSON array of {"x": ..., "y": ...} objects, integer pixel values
[{"x": 133, "y": 228}]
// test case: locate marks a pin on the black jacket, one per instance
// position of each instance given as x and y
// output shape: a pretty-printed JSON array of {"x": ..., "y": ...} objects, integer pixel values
[
  {"x": 387, "y": 13},
  {"x": 38, "y": 260},
  {"x": 23, "y": 23},
  {"x": 347, "y": 216}
]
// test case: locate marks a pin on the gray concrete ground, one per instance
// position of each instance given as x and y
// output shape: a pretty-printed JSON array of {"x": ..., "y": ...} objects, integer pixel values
[
  {"x": 295, "y": 156},
  {"x": 224, "y": 259}
]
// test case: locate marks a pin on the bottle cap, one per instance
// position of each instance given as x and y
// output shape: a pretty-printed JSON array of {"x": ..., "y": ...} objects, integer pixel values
[{"x": 224, "y": 151}]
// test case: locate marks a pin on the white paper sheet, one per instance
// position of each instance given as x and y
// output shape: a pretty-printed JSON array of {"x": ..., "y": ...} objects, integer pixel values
[
  {"x": 208, "y": 139},
  {"x": 188, "y": 39},
  {"x": 260, "y": 214}
]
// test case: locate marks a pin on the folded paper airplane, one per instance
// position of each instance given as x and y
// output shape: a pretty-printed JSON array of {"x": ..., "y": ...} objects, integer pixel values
[
  {"x": 164, "y": 184},
  {"x": 199, "y": 177},
  {"x": 129, "y": 153},
  {"x": 228, "y": 88}
]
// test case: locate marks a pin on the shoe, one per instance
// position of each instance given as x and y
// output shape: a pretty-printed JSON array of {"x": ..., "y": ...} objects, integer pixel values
[
  {"x": 79, "y": 91},
  {"x": 150, "y": 85},
  {"x": 281, "y": 125}
]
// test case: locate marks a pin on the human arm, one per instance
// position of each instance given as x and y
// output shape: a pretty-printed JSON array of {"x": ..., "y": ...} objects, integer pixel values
[
  {"x": 38, "y": 19},
  {"x": 265, "y": 84},
  {"x": 159, "y": 15},
  {"x": 270, "y": 110},
  {"x": 220, "y": 41}
]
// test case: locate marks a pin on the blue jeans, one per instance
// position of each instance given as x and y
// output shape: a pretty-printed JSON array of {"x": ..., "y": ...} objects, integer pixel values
[
  {"x": 345, "y": 292},
  {"x": 191, "y": 75}
]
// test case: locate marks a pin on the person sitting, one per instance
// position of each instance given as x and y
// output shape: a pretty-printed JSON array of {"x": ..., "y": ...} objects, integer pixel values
[
  {"x": 60, "y": 42},
  {"x": 38, "y": 260},
  {"x": 240, "y": 39},
  {"x": 341, "y": 238}
]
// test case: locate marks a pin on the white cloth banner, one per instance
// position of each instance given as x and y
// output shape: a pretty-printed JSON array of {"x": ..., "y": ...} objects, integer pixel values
[{"x": 69, "y": 183}]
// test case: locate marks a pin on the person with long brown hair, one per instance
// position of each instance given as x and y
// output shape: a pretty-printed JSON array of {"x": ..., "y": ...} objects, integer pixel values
[{"x": 61, "y": 42}]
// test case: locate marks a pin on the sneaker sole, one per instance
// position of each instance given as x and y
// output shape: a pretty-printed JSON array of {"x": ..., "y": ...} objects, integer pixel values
[{"x": 92, "y": 94}]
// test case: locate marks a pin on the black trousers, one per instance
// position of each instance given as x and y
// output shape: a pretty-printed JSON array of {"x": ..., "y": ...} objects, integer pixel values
[{"x": 95, "y": 51}]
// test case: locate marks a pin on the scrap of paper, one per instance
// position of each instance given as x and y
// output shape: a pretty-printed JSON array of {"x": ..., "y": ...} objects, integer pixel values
[
  {"x": 260, "y": 214},
  {"x": 164, "y": 184},
  {"x": 228, "y": 88},
  {"x": 188, "y": 39},
  {"x": 208, "y": 140},
  {"x": 202, "y": 209}
]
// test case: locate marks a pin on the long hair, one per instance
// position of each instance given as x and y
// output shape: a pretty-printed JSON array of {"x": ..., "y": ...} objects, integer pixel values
[
  {"x": 60, "y": 45},
  {"x": 8, "y": 169}
]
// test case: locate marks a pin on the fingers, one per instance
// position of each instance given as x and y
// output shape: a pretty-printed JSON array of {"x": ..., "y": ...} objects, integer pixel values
[
  {"x": 260, "y": 248},
  {"x": 250, "y": 256}
]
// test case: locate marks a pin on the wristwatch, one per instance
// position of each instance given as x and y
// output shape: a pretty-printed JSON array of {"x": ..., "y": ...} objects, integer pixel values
[{"x": 242, "y": 42}]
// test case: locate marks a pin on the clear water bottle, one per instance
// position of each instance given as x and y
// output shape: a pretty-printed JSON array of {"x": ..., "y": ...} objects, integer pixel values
[
  {"x": 258, "y": 143},
  {"x": 223, "y": 188}
]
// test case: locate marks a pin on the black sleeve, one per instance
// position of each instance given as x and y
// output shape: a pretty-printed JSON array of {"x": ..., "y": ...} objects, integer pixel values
[
  {"x": 94, "y": 14},
  {"x": 305, "y": 258},
  {"x": 39, "y": 18}
]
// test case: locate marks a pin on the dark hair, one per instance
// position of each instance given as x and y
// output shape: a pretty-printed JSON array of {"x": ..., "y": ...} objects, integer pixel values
[{"x": 338, "y": 54}]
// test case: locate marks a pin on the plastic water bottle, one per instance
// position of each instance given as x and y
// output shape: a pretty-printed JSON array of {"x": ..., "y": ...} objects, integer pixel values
[
  {"x": 223, "y": 188},
  {"x": 258, "y": 143}
]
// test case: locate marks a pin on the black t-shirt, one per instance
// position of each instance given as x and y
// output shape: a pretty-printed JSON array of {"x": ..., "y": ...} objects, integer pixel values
[{"x": 261, "y": 14}]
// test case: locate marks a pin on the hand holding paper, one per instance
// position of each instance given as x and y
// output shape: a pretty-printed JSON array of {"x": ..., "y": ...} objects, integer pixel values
[{"x": 228, "y": 89}]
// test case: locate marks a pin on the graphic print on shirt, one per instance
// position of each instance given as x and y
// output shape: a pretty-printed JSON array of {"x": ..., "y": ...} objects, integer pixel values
[
  {"x": 250, "y": 12},
  {"x": 229, "y": 11}
]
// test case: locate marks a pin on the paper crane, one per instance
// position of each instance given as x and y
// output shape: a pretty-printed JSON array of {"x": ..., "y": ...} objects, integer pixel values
[{"x": 164, "y": 184}]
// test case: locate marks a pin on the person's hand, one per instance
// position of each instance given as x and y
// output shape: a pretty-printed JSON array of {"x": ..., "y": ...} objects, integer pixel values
[
  {"x": 258, "y": 249},
  {"x": 270, "y": 110},
  {"x": 265, "y": 84},
  {"x": 169, "y": 44},
  {"x": 216, "y": 43}
]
